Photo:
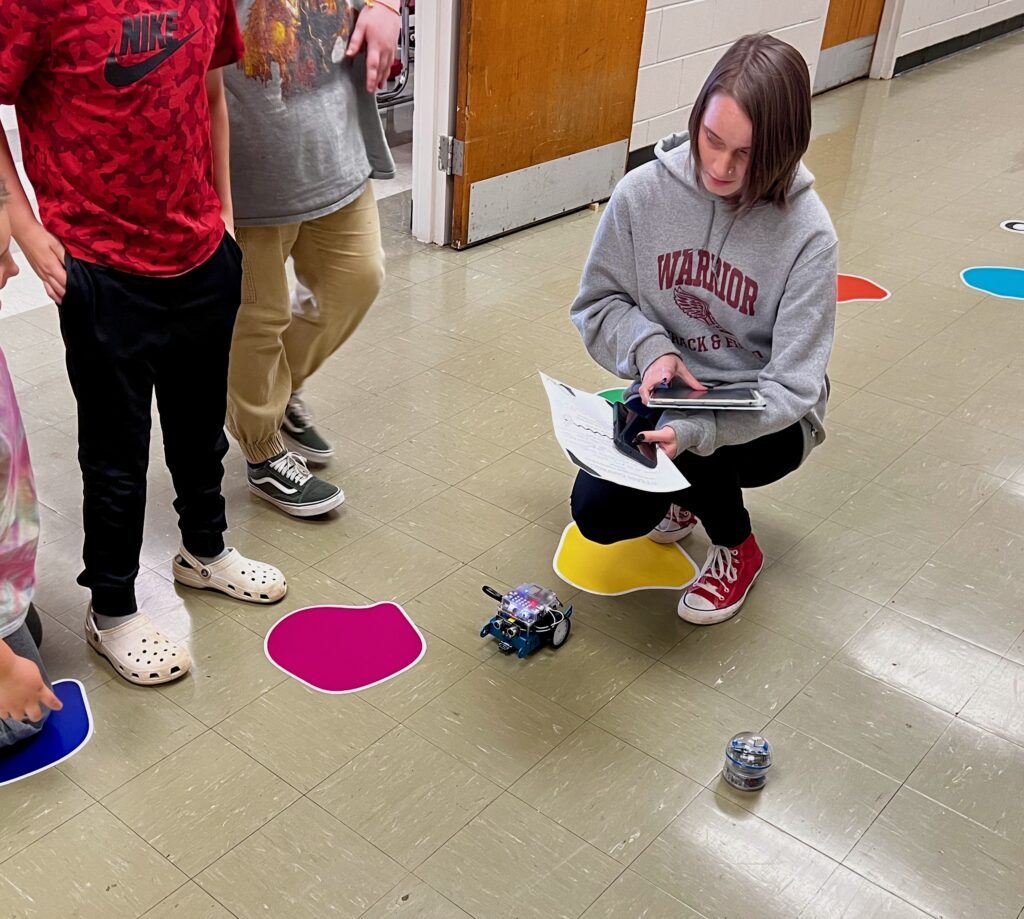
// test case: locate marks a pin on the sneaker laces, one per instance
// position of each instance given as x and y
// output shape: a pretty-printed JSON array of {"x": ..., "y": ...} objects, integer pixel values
[
  {"x": 292, "y": 467},
  {"x": 680, "y": 516},
  {"x": 297, "y": 408},
  {"x": 675, "y": 519},
  {"x": 718, "y": 568}
]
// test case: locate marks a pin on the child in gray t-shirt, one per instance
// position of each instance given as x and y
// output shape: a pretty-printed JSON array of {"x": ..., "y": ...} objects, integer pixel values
[{"x": 306, "y": 141}]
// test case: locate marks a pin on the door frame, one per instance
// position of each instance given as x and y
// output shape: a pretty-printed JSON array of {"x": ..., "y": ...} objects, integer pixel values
[
  {"x": 883, "y": 61},
  {"x": 434, "y": 99}
]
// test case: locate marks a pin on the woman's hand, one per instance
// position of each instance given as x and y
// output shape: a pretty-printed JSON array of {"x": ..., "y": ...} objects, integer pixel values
[
  {"x": 46, "y": 256},
  {"x": 664, "y": 370},
  {"x": 377, "y": 30},
  {"x": 665, "y": 438},
  {"x": 22, "y": 690}
]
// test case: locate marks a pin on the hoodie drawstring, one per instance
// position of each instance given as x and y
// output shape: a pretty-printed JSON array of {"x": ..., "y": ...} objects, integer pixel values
[{"x": 717, "y": 263}]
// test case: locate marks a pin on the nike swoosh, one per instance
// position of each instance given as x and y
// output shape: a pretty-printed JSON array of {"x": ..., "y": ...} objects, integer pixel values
[{"x": 119, "y": 75}]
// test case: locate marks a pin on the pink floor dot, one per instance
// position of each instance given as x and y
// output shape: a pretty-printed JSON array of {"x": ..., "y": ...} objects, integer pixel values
[{"x": 342, "y": 649}]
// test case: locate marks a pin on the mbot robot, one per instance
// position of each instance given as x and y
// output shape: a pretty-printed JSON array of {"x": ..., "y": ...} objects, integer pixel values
[{"x": 528, "y": 618}]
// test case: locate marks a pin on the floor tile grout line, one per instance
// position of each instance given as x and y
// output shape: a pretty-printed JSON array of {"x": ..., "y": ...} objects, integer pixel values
[
  {"x": 783, "y": 560},
  {"x": 190, "y": 882},
  {"x": 947, "y": 631},
  {"x": 891, "y": 893},
  {"x": 386, "y": 896},
  {"x": 898, "y": 688},
  {"x": 720, "y": 690},
  {"x": 903, "y": 784},
  {"x": 501, "y": 790},
  {"x": 953, "y": 810},
  {"x": 92, "y": 800},
  {"x": 508, "y": 792}
]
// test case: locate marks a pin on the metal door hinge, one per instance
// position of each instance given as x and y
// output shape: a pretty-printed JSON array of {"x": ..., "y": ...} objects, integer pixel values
[{"x": 450, "y": 153}]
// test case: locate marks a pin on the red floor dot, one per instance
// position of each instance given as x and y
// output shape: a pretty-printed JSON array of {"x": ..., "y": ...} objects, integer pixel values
[{"x": 852, "y": 287}]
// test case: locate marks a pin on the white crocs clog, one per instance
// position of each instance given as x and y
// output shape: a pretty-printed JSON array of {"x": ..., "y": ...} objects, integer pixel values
[
  {"x": 234, "y": 575},
  {"x": 138, "y": 651}
]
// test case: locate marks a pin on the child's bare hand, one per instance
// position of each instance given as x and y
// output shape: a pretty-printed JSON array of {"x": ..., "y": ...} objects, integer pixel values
[
  {"x": 377, "y": 31},
  {"x": 46, "y": 256},
  {"x": 23, "y": 693}
]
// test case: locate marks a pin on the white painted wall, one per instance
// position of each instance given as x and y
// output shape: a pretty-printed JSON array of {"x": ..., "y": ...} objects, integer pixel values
[
  {"x": 928, "y": 22},
  {"x": 683, "y": 39}
]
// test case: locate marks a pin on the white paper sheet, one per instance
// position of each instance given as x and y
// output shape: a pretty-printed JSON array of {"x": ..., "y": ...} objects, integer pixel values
[{"x": 583, "y": 425}]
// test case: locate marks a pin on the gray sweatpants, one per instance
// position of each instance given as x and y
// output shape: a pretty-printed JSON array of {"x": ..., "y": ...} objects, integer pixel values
[{"x": 22, "y": 644}]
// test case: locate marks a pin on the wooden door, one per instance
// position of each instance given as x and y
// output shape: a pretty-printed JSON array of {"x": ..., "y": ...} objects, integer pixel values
[
  {"x": 848, "y": 42},
  {"x": 849, "y": 20},
  {"x": 545, "y": 109}
]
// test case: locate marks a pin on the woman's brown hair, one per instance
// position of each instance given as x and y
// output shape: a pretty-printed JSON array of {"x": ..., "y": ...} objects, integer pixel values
[{"x": 769, "y": 80}]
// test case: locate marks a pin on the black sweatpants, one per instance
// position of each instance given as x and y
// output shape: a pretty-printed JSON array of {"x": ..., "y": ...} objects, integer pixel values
[
  {"x": 125, "y": 337},
  {"x": 607, "y": 513}
]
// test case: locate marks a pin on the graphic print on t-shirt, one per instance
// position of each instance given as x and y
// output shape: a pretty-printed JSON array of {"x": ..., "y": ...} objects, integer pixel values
[
  {"x": 140, "y": 35},
  {"x": 297, "y": 35},
  {"x": 112, "y": 103}
]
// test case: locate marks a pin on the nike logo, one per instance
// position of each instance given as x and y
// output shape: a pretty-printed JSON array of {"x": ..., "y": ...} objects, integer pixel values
[{"x": 121, "y": 75}]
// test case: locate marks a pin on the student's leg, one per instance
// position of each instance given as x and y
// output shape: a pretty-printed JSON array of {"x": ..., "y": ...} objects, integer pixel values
[
  {"x": 606, "y": 512},
  {"x": 24, "y": 645},
  {"x": 341, "y": 260},
  {"x": 717, "y": 481},
  {"x": 191, "y": 392},
  {"x": 259, "y": 377},
  {"x": 716, "y": 496},
  {"x": 110, "y": 340}
]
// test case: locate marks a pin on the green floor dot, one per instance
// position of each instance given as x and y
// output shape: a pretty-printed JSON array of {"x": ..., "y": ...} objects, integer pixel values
[{"x": 612, "y": 395}]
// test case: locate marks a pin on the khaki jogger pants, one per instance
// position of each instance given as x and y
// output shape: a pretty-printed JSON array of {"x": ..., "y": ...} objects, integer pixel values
[{"x": 339, "y": 257}]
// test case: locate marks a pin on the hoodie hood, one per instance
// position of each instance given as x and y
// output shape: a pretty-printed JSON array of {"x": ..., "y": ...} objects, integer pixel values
[{"x": 674, "y": 154}]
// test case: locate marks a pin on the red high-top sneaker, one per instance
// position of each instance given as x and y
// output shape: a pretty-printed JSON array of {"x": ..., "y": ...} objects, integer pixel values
[
  {"x": 723, "y": 584},
  {"x": 677, "y": 525}
]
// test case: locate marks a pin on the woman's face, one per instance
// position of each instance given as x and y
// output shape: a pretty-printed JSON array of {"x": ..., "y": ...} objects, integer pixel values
[{"x": 724, "y": 146}]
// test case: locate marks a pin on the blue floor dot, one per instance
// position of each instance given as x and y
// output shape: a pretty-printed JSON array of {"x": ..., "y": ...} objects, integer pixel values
[
  {"x": 1000, "y": 282},
  {"x": 63, "y": 735}
]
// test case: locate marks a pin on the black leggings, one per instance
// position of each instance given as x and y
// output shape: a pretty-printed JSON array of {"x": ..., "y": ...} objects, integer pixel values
[{"x": 607, "y": 513}]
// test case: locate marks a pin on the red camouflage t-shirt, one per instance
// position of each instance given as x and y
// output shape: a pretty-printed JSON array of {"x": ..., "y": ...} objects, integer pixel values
[{"x": 115, "y": 123}]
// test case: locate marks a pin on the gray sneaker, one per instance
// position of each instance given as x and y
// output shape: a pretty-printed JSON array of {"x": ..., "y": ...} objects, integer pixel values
[
  {"x": 286, "y": 483},
  {"x": 300, "y": 436}
]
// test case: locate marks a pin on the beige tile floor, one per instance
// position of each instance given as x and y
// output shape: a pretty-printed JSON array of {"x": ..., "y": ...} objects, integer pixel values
[{"x": 882, "y": 651}]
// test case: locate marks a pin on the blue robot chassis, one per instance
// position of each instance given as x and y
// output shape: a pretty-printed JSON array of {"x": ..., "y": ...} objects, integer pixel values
[{"x": 528, "y": 618}]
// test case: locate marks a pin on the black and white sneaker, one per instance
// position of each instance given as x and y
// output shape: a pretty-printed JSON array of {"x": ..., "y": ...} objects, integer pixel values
[
  {"x": 285, "y": 482},
  {"x": 300, "y": 436}
]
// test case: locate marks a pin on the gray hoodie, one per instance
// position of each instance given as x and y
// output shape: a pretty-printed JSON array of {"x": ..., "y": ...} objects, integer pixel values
[{"x": 744, "y": 299}]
